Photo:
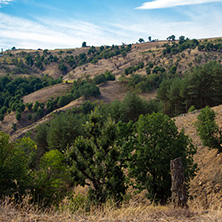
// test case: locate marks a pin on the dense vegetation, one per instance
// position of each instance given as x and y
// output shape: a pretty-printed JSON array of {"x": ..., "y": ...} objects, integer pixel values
[
  {"x": 13, "y": 89},
  {"x": 209, "y": 132},
  {"x": 36, "y": 62},
  {"x": 95, "y": 145},
  {"x": 184, "y": 43},
  {"x": 94, "y": 155},
  {"x": 201, "y": 86}
]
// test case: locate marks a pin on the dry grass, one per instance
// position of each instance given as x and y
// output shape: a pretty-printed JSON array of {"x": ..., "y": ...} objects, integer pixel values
[
  {"x": 43, "y": 95},
  {"x": 127, "y": 212}
]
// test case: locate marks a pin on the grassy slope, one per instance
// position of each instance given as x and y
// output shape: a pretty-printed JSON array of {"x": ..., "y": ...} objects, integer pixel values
[{"x": 206, "y": 187}]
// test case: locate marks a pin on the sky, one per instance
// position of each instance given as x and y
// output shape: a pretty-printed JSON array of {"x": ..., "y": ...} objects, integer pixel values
[{"x": 54, "y": 24}]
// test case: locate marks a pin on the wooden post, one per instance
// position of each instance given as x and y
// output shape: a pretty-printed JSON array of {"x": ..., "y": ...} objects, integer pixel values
[{"x": 178, "y": 187}]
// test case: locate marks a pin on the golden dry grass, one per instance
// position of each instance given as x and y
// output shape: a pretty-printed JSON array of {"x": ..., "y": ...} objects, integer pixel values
[
  {"x": 43, "y": 95},
  {"x": 131, "y": 211}
]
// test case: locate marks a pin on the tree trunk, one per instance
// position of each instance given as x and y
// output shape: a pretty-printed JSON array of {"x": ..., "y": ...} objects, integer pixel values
[{"x": 178, "y": 187}]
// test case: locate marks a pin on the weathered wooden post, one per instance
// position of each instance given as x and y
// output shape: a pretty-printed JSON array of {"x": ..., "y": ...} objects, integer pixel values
[{"x": 178, "y": 187}]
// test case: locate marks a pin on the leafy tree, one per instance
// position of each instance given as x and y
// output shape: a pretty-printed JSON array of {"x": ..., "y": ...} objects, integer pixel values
[
  {"x": 51, "y": 178},
  {"x": 29, "y": 106},
  {"x": 208, "y": 130},
  {"x": 141, "y": 40},
  {"x": 1, "y": 117},
  {"x": 84, "y": 44},
  {"x": 131, "y": 107},
  {"x": 149, "y": 38},
  {"x": 63, "y": 130},
  {"x": 29, "y": 116},
  {"x": 18, "y": 116},
  {"x": 63, "y": 67},
  {"x": 156, "y": 142},
  {"x": 95, "y": 159},
  {"x": 172, "y": 38},
  {"x": 15, "y": 160}
]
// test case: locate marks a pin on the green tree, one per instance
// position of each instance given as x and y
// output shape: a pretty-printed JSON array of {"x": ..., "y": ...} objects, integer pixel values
[
  {"x": 1, "y": 117},
  {"x": 141, "y": 40},
  {"x": 63, "y": 130},
  {"x": 18, "y": 115},
  {"x": 51, "y": 179},
  {"x": 84, "y": 44},
  {"x": 95, "y": 159},
  {"x": 156, "y": 142},
  {"x": 131, "y": 107},
  {"x": 208, "y": 130},
  {"x": 15, "y": 160}
]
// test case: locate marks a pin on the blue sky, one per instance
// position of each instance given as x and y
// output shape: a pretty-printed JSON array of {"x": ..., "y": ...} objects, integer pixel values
[{"x": 51, "y": 24}]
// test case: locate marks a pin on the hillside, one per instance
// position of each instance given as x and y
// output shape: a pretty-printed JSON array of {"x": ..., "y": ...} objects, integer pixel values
[
  {"x": 90, "y": 61},
  {"x": 205, "y": 188},
  {"x": 138, "y": 68}
]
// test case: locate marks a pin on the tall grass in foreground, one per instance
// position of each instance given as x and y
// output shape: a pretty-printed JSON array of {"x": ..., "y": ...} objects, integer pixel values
[{"x": 130, "y": 211}]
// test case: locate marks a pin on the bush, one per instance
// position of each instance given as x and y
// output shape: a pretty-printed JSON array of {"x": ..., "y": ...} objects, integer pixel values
[
  {"x": 191, "y": 109},
  {"x": 156, "y": 142},
  {"x": 208, "y": 130}
]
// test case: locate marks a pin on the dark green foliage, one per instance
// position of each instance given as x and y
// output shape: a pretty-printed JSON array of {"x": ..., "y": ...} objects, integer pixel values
[
  {"x": 85, "y": 89},
  {"x": 132, "y": 69},
  {"x": 14, "y": 89},
  {"x": 144, "y": 83},
  {"x": 1, "y": 117},
  {"x": 99, "y": 79},
  {"x": 51, "y": 179},
  {"x": 87, "y": 107},
  {"x": 41, "y": 138},
  {"x": 131, "y": 107},
  {"x": 29, "y": 116},
  {"x": 95, "y": 54},
  {"x": 141, "y": 40},
  {"x": 158, "y": 69},
  {"x": 63, "y": 68},
  {"x": 173, "y": 70},
  {"x": 39, "y": 64},
  {"x": 64, "y": 100},
  {"x": 63, "y": 130},
  {"x": 208, "y": 130},
  {"x": 212, "y": 45},
  {"x": 183, "y": 44},
  {"x": 95, "y": 159},
  {"x": 156, "y": 142},
  {"x": 14, "y": 127},
  {"x": 171, "y": 38},
  {"x": 15, "y": 161},
  {"x": 107, "y": 76},
  {"x": 29, "y": 106},
  {"x": 201, "y": 86},
  {"x": 18, "y": 115},
  {"x": 84, "y": 44}
]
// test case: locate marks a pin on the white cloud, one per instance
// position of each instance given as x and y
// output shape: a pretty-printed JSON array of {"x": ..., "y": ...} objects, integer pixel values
[
  {"x": 202, "y": 22},
  {"x": 172, "y": 3},
  {"x": 52, "y": 33},
  {"x": 4, "y": 2}
]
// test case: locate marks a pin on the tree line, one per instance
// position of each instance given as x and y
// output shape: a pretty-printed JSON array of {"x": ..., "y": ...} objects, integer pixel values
[
  {"x": 201, "y": 86},
  {"x": 96, "y": 150}
]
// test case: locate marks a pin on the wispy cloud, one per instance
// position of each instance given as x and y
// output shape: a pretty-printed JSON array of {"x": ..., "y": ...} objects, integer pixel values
[
  {"x": 156, "y": 4},
  {"x": 47, "y": 32},
  {"x": 51, "y": 33},
  {"x": 4, "y": 2}
]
